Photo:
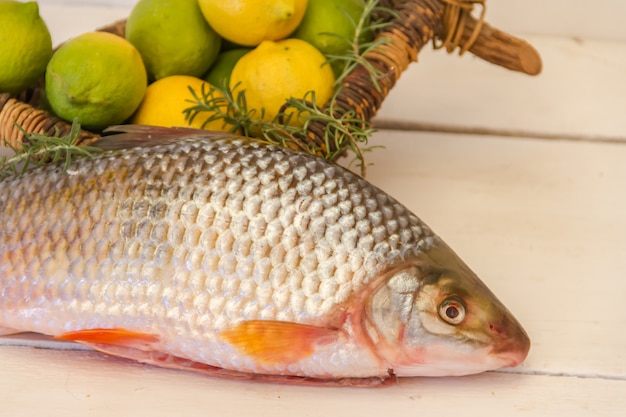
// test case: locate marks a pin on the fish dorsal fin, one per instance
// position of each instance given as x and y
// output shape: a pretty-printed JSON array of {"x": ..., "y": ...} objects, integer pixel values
[{"x": 131, "y": 136}]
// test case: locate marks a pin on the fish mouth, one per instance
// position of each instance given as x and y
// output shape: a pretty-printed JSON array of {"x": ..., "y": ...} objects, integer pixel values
[
  {"x": 510, "y": 359},
  {"x": 513, "y": 350}
]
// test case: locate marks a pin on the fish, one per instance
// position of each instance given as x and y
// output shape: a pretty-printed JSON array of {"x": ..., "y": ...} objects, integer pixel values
[{"x": 220, "y": 254}]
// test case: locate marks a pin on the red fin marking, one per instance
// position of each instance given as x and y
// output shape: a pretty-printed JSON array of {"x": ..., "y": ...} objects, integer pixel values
[
  {"x": 119, "y": 337},
  {"x": 277, "y": 342}
]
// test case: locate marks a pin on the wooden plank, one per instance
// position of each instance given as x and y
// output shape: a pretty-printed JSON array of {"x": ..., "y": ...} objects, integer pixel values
[
  {"x": 600, "y": 19},
  {"x": 581, "y": 93},
  {"x": 576, "y": 18},
  {"x": 68, "y": 20},
  {"x": 54, "y": 383}
]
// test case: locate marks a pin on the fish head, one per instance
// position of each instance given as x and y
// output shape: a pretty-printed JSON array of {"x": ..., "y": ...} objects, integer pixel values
[{"x": 432, "y": 316}]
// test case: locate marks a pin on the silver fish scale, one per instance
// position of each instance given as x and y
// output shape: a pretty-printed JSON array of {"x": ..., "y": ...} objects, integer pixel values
[{"x": 191, "y": 237}]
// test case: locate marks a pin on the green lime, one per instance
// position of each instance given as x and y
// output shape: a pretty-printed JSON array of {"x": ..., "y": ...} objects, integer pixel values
[
  {"x": 98, "y": 78},
  {"x": 25, "y": 45},
  {"x": 172, "y": 37},
  {"x": 330, "y": 25},
  {"x": 219, "y": 74}
]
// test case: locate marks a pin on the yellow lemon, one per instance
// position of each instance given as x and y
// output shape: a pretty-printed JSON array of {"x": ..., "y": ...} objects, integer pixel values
[
  {"x": 166, "y": 99},
  {"x": 173, "y": 37},
  {"x": 96, "y": 77},
  {"x": 248, "y": 22},
  {"x": 330, "y": 26},
  {"x": 275, "y": 71},
  {"x": 25, "y": 45}
]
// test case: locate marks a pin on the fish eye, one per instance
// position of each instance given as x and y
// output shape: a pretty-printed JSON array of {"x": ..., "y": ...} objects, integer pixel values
[{"x": 452, "y": 311}]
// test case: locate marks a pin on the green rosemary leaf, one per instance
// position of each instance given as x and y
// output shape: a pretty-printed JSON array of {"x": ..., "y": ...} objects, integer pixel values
[{"x": 38, "y": 150}]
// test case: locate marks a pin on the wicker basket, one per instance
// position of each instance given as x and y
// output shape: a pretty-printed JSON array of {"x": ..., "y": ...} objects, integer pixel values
[{"x": 447, "y": 23}]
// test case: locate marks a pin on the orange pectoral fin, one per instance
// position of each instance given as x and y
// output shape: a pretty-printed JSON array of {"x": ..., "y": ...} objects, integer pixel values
[
  {"x": 278, "y": 342},
  {"x": 118, "y": 337}
]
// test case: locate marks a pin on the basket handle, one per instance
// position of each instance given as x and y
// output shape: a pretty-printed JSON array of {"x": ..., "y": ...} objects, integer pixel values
[
  {"x": 461, "y": 29},
  {"x": 417, "y": 23}
]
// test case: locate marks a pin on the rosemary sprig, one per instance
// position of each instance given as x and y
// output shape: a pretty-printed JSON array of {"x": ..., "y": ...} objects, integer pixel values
[
  {"x": 363, "y": 29},
  {"x": 39, "y": 150},
  {"x": 343, "y": 131}
]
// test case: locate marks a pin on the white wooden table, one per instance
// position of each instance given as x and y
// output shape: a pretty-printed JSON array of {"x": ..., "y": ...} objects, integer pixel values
[{"x": 535, "y": 203}]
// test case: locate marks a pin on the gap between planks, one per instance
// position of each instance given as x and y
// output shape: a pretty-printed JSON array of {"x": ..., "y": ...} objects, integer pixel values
[
  {"x": 583, "y": 375},
  {"x": 410, "y": 126}
]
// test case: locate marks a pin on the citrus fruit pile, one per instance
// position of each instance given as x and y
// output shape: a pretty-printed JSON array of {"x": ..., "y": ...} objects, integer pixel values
[{"x": 175, "y": 51}]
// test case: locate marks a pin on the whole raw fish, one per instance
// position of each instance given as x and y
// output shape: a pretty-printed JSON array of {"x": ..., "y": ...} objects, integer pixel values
[{"x": 224, "y": 255}]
